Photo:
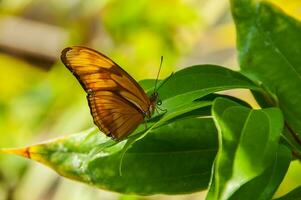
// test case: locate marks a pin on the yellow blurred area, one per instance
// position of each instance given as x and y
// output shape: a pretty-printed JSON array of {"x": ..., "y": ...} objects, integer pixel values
[
  {"x": 40, "y": 99},
  {"x": 291, "y": 7},
  {"x": 14, "y": 76}
]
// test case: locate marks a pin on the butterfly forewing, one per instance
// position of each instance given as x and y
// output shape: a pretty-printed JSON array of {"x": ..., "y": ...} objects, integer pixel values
[{"x": 116, "y": 100}]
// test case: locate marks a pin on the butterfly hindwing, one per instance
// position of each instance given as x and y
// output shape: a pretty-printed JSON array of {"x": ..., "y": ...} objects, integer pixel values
[{"x": 113, "y": 114}]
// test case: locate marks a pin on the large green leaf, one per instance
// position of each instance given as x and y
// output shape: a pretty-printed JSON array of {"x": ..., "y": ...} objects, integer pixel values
[
  {"x": 249, "y": 155},
  {"x": 181, "y": 89},
  {"x": 185, "y": 86},
  {"x": 269, "y": 44},
  {"x": 175, "y": 158},
  {"x": 197, "y": 81}
]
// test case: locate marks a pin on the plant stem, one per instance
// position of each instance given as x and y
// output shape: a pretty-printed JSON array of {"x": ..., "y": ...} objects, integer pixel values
[{"x": 291, "y": 131}]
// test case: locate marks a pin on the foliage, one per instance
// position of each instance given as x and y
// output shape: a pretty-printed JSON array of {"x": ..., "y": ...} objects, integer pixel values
[
  {"x": 93, "y": 158},
  {"x": 292, "y": 195},
  {"x": 249, "y": 150}
]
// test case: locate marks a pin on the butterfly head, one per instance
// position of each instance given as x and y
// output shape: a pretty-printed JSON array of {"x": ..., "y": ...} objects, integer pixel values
[
  {"x": 154, "y": 98},
  {"x": 153, "y": 103}
]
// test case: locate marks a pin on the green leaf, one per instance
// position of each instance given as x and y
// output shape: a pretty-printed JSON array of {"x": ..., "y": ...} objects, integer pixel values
[
  {"x": 292, "y": 195},
  {"x": 148, "y": 84},
  {"x": 189, "y": 84},
  {"x": 175, "y": 158},
  {"x": 180, "y": 90},
  {"x": 265, "y": 185},
  {"x": 248, "y": 144},
  {"x": 198, "y": 81},
  {"x": 269, "y": 44}
]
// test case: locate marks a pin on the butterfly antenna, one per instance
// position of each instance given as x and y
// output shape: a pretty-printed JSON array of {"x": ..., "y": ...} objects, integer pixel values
[
  {"x": 161, "y": 61},
  {"x": 165, "y": 80}
]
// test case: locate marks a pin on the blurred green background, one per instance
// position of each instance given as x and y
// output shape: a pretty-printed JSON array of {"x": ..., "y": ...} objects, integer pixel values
[{"x": 40, "y": 99}]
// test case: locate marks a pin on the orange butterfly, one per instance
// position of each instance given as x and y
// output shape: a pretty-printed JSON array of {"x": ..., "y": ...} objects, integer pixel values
[{"x": 117, "y": 102}]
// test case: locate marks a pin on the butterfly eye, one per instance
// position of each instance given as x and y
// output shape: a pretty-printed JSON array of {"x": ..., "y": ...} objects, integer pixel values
[{"x": 159, "y": 102}]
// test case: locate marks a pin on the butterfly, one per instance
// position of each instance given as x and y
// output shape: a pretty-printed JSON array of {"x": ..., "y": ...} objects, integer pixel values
[{"x": 117, "y": 102}]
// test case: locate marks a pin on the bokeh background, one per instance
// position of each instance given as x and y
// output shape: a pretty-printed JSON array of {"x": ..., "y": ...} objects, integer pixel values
[{"x": 40, "y": 99}]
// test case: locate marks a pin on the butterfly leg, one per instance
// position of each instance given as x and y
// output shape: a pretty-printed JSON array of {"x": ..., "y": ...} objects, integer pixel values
[{"x": 158, "y": 108}]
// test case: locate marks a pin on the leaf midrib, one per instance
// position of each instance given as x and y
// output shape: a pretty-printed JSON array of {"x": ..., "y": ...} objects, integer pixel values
[{"x": 174, "y": 152}]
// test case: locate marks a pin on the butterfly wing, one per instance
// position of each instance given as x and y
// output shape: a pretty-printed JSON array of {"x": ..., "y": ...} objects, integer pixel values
[
  {"x": 113, "y": 114},
  {"x": 105, "y": 82}
]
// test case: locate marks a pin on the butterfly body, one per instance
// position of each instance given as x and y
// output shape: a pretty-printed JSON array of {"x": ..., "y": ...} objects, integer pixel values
[{"x": 117, "y": 102}]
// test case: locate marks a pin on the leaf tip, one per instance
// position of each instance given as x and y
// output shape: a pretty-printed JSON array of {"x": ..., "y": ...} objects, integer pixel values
[{"x": 24, "y": 152}]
